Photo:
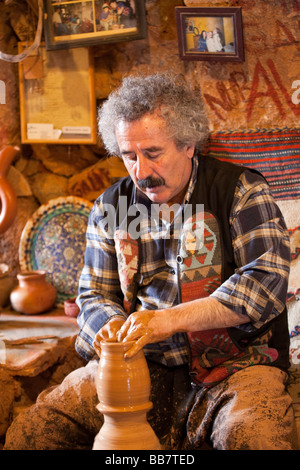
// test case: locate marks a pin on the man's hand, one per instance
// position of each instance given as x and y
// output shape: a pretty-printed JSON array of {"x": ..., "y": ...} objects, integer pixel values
[
  {"x": 108, "y": 333},
  {"x": 143, "y": 327},
  {"x": 151, "y": 326}
]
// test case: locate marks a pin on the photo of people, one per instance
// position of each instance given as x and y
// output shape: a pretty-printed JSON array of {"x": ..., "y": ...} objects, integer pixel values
[
  {"x": 75, "y": 18},
  {"x": 210, "y": 35}
]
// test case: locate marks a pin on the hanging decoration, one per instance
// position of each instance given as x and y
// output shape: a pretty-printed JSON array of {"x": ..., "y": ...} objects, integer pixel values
[{"x": 34, "y": 46}]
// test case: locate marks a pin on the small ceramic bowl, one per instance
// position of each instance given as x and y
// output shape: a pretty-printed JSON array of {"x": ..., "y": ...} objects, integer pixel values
[{"x": 71, "y": 308}]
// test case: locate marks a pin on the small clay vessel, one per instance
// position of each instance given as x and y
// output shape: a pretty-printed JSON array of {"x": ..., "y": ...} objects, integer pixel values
[
  {"x": 71, "y": 308},
  {"x": 33, "y": 294},
  {"x": 123, "y": 387}
]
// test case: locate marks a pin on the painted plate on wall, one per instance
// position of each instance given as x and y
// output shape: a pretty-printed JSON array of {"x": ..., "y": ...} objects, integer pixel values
[{"x": 53, "y": 239}]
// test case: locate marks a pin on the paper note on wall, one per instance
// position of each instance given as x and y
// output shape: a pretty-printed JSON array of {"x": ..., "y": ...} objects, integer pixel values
[{"x": 42, "y": 131}]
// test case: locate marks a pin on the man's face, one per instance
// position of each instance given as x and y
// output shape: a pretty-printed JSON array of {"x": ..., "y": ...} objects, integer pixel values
[{"x": 153, "y": 161}]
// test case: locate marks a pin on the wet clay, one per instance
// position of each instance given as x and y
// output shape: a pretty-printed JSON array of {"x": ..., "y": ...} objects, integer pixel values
[{"x": 123, "y": 388}]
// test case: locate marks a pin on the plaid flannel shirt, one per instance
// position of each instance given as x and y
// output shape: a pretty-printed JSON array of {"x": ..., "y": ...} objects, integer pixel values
[{"x": 256, "y": 289}]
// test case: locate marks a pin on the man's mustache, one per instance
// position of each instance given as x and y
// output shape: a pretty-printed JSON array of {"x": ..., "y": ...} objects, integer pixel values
[{"x": 150, "y": 182}]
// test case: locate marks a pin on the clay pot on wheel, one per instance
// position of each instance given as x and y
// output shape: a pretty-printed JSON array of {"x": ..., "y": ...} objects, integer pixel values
[
  {"x": 33, "y": 294},
  {"x": 123, "y": 387}
]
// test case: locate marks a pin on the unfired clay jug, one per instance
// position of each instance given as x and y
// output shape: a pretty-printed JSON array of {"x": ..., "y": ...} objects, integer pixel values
[
  {"x": 8, "y": 198},
  {"x": 123, "y": 387},
  {"x": 33, "y": 294}
]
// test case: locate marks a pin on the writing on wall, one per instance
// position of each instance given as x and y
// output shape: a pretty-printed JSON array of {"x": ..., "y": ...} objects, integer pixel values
[{"x": 265, "y": 86}]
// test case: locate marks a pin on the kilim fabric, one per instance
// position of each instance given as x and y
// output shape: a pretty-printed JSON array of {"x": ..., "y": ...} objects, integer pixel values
[{"x": 273, "y": 152}]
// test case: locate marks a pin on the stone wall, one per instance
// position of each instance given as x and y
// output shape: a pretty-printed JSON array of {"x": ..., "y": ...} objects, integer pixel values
[{"x": 256, "y": 93}]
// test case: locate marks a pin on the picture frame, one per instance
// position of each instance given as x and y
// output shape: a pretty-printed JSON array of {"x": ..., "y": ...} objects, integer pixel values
[
  {"x": 50, "y": 111},
  {"x": 72, "y": 23},
  {"x": 211, "y": 34}
]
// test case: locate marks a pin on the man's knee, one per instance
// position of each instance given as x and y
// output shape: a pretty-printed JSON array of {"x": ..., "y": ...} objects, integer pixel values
[
  {"x": 257, "y": 414},
  {"x": 33, "y": 430},
  {"x": 64, "y": 416}
]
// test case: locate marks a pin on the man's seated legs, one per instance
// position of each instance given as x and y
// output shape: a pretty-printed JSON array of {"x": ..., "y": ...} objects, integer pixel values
[
  {"x": 255, "y": 411},
  {"x": 250, "y": 410},
  {"x": 64, "y": 417}
]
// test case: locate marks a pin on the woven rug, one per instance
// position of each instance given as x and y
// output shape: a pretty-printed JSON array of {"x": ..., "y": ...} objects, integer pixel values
[{"x": 273, "y": 152}]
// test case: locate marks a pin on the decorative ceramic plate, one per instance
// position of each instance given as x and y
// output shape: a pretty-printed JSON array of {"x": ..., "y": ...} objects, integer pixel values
[{"x": 53, "y": 240}]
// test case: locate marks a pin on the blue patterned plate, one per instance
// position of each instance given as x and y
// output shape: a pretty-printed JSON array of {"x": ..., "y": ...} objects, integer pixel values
[{"x": 53, "y": 239}]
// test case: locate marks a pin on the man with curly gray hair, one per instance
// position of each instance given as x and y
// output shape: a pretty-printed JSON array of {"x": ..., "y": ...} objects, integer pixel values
[{"x": 188, "y": 258}]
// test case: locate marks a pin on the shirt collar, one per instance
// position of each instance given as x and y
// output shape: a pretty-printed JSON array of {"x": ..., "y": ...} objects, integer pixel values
[{"x": 192, "y": 181}]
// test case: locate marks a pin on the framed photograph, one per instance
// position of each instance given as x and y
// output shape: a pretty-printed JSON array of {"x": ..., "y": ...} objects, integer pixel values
[
  {"x": 77, "y": 24},
  {"x": 57, "y": 97},
  {"x": 214, "y": 34}
]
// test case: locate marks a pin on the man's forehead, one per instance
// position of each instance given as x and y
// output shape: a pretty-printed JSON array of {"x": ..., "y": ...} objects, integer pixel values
[
  {"x": 148, "y": 120},
  {"x": 150, "y": 133}
]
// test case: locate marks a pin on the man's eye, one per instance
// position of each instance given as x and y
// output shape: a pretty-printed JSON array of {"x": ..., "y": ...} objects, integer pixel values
[
  {"x": 130, "y": 157},
  {"x": 152, "y": 156}
]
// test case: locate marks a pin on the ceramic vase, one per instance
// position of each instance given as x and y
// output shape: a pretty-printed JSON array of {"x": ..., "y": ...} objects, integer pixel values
[
  {"x": 33, "y": 294},
  {"x": 123, "y": 387}
]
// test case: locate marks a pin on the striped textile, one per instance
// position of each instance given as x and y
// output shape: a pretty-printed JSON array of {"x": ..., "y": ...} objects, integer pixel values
[{"x": 273, "y": 152}]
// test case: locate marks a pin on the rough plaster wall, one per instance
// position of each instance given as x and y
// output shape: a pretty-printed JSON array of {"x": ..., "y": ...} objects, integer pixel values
[
  {"x": 258, "y": 92},
  {"x": 254, "y": 94}
]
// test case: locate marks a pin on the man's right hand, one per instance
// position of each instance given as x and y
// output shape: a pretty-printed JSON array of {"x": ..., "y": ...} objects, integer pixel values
[{"x": 108, "y": 333}]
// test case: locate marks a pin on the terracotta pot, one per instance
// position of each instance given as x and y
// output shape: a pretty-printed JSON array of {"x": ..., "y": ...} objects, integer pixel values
[
  {"x": 8, "y": 197},
  {"x": 71, "y": 308},
  {"x": 123, "y": 387},
  {"x": 33, "y": 294}
]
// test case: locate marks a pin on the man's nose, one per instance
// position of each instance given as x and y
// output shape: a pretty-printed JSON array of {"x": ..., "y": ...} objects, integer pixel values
[{"x": 143, "y": 168}]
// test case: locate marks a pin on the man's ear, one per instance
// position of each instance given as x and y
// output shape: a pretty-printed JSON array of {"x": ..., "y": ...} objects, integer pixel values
[{"x": 190, "y": 149}]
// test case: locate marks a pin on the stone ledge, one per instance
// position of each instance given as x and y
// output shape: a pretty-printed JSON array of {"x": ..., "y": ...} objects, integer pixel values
[{"x": 36, "y": 352}]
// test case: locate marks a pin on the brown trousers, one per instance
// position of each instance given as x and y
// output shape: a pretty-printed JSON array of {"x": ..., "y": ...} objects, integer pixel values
[{"x": 250, "y": 410}]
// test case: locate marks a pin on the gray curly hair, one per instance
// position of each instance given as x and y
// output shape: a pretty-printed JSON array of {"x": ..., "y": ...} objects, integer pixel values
[{"x": 179, "y": 105}]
